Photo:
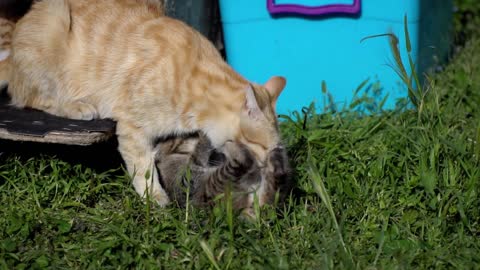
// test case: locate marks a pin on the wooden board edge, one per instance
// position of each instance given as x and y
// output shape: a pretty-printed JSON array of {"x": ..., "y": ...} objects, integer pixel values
[{"x": 79, "y": 138}]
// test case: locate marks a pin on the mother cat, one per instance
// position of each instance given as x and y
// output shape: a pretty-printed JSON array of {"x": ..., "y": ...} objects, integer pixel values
[{"x": 154, "y": 75}]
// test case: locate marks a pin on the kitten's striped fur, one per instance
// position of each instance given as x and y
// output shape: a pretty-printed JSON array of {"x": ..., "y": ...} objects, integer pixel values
[
  {"x": 191, "y": 166},
  {"x": 122, "y": 59}
]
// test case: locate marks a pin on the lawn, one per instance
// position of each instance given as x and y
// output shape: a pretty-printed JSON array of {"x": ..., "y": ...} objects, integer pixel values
[{"x": 390, "y": 190}]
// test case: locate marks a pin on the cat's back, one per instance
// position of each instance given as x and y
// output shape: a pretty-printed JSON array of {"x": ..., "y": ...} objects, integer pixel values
[
  {"x": 109, "y": 37},
  {"x": 85, "y": 26},
  {"x": 79, "y": 46},
  {"x": 112, "y": 54},
  {"x": 90, "y": 15},
  {"x": 100, "y": 37}
]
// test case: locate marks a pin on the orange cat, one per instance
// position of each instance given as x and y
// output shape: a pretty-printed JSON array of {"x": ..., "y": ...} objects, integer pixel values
[{"x": 154, "y": 75}]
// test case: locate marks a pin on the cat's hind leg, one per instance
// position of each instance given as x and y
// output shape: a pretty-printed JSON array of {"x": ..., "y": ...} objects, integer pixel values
[
  {"x": 39, "y": 77},
  {"x": 139, "y": 155},
  {"x": 41, "y": 97},
  {"x": 77, "y": 110}
]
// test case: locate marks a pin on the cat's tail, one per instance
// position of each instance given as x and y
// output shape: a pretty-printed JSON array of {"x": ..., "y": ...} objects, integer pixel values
[{"x": 4, "y": 67}]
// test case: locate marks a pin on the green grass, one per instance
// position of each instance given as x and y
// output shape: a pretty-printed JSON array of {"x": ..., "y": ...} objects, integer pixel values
[{"x": 385, "y": 191}]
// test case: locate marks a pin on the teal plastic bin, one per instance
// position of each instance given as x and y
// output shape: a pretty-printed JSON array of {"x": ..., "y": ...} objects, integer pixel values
[{"x": 310, "y": 41}]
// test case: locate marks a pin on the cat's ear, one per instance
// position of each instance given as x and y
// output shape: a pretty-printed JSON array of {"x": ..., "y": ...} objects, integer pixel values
[
  {"x": 275, "y": 86},
  {"x": 4, "y": 54},
  {"x": 251, "y": 105}
]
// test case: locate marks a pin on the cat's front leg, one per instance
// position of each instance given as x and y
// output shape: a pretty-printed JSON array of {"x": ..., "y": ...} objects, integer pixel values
[
  {"x": 138, "y": 153},
  {"x": 277, "y": 174}
]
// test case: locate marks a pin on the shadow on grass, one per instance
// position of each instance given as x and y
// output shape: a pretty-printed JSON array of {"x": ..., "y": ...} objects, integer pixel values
[{"x": 100, "y": 157}]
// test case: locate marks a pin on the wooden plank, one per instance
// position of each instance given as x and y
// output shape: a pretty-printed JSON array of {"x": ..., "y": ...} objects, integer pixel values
[{"x": 37, "y": 126}]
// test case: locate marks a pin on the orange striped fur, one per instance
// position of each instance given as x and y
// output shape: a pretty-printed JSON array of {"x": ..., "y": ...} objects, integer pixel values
[{"x": 154, "y": 75}]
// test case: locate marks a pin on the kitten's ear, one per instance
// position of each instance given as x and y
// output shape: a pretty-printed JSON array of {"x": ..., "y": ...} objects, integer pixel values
[
  {"x": 275, "y": 86},
  {"x": 4, "y": 54},
  {"x": 251, "y": 105}
]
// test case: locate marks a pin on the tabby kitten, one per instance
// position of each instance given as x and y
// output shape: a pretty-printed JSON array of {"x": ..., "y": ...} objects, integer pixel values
[
  {"x": 190, "y": 166},
  {"x": 152, "y": 74}
]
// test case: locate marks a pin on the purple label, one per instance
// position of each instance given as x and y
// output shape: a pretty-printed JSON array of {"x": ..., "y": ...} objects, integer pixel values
[{"x": 313, "y": 10}]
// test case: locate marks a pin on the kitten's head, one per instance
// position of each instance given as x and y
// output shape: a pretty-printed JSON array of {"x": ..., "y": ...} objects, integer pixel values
[{"x": 258, "y": 120}]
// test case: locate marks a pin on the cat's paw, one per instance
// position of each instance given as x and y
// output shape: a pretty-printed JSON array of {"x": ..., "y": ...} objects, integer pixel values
[
  {"x": 149, "y": 187},
  {"x": 79, "y": 110},
  {"x": 155, "y": 193},
  {"x": 239, "y": 159},
  {"x": 161, "y": 197},
  {"x": 277, "y": 164}
]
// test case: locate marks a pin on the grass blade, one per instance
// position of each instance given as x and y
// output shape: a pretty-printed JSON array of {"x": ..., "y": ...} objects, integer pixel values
[
  {"x": 407, "y": 35},
  {"x": 322, "y": 192},
  {"x": 209, "y": 254}
]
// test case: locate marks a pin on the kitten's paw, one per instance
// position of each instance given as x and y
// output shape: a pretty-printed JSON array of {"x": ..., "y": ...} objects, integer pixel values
[
  {"x": 80, "y": 110},
  {"x": 239, "y": 159}
]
